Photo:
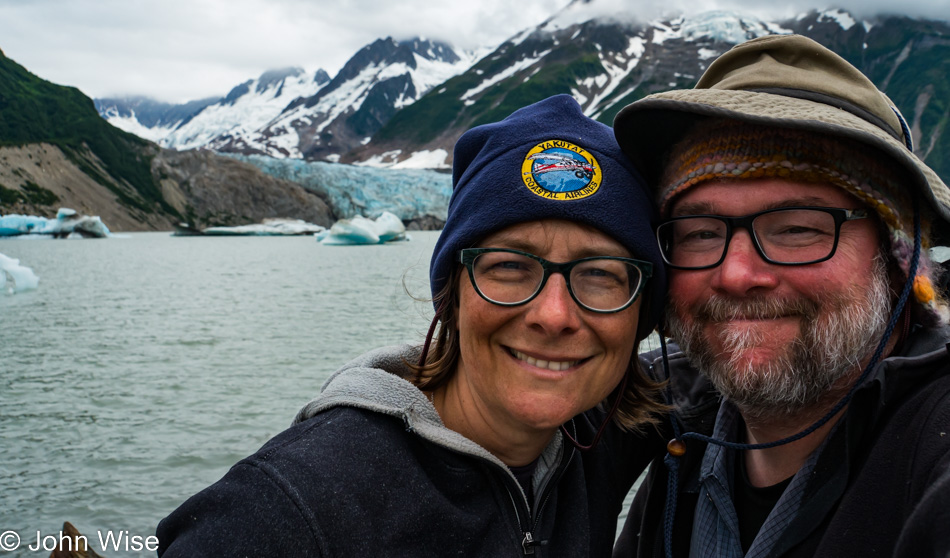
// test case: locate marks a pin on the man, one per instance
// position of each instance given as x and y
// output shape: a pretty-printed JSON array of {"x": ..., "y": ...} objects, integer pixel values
[{"x": 800, "y": 290}]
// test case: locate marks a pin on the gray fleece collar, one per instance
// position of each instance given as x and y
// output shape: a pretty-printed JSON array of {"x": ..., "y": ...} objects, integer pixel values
[{"x": 375, "y": 381}]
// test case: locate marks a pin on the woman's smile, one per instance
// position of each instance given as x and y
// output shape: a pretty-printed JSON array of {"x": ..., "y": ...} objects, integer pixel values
[{"x": 551, "y": 363}]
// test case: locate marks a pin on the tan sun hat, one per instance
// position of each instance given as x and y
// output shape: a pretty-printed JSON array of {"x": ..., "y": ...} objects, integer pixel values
[{"x": 787, "y": 81}]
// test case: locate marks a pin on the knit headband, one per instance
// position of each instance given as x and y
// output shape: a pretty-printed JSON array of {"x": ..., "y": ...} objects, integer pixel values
[{"x": 720, "y": 149}]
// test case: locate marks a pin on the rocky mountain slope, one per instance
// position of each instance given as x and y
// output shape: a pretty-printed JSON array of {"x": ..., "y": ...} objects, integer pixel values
[
  {"x": 234, "y": 121},
  {"x": 56, "y": 151}
]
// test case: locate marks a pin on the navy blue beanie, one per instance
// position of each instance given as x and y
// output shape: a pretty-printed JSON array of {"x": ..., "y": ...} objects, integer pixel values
[{"x": 549, "y": 161}]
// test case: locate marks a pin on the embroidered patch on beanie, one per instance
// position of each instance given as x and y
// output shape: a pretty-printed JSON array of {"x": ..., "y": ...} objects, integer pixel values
[{"x": 560, "y": 170}]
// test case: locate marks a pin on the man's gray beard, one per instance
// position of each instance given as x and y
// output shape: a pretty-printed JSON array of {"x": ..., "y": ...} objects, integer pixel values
[{"x": 838, "y": 333}]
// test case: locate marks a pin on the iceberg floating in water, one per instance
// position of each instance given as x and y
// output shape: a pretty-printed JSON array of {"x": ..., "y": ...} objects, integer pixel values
[
  {"x": 67, "y": 224},
  {"x": 360, "y": 230},
  {"x": 15, "y": 277},
  {"x": 267, "y": 227},
  {"x": 389, "y": 227}
]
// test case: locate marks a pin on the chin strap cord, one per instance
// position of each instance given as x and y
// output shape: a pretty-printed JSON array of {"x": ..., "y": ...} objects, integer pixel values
[
  {"x": 610, "y": 415},
  {"x": 676, "y": 448}
]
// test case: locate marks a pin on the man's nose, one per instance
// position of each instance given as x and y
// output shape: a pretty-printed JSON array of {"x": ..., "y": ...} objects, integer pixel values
[{"x": 743, "y": 270}]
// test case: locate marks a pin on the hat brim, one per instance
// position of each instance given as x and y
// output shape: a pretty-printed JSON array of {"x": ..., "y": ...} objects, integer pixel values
[{"x": 648, "y": 128}]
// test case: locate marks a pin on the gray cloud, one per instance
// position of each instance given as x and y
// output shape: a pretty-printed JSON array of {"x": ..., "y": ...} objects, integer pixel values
[{"x": 180, "y": 50}]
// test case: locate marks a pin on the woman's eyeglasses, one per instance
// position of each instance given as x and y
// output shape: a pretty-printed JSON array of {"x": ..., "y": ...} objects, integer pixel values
[{"x": 510, "y": 278}]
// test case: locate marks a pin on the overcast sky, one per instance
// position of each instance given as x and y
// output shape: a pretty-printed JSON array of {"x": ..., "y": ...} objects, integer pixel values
[{"x": 180, "y": 50}]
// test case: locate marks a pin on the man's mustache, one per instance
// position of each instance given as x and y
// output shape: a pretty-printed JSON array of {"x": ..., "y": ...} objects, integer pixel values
[{"x": 721, "y": 308}]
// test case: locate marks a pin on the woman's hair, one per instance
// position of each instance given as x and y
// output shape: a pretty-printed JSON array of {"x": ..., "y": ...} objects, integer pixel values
[{"x": 641, "y": 403}]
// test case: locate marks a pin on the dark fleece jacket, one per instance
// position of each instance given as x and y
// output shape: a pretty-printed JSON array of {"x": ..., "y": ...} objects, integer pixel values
[
  {"x": 881, "y": 486},
  {"x": 370, "y": 470}
]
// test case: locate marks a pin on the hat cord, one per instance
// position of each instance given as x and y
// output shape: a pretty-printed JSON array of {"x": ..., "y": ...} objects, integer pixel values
[
  {"x": 908, "y": 139},
  {"x": 673, "y": 461}
]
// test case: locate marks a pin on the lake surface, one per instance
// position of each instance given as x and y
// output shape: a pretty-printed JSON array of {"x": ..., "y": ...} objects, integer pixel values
[{"x": 144, "y": 366}]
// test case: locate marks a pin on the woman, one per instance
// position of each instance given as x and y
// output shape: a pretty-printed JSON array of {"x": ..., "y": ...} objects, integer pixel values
[{"x": 457, "y": 449}]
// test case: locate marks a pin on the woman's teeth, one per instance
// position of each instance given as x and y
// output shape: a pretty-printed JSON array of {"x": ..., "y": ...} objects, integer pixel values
[{"x": 555, "y": 365}]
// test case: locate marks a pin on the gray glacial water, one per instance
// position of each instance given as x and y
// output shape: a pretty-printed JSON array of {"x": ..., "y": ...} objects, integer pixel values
[{"x": 144, "y": 366}]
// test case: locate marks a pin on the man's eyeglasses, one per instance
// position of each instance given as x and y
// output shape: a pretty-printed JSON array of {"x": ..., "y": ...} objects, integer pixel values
[
  {"x": 785, "y": 236},
  {"x": 510, "y": 277}
]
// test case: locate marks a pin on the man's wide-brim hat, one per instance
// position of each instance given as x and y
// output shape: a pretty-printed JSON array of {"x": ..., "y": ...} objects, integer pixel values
[{"x": 787, "y": 81}]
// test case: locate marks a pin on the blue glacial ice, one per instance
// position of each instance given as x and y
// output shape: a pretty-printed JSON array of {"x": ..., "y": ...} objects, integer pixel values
[
  {"x": 67, "y": 224},
  {"x": 360, "y": 230},
  {"x": 15, "y": 277},
  {"x": 408, "y": 194}
]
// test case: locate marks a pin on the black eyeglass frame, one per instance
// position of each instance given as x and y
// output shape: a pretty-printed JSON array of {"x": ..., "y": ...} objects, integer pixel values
[
  {"x": 840, "y": 215},
  {"x": 467, "y": 258}
]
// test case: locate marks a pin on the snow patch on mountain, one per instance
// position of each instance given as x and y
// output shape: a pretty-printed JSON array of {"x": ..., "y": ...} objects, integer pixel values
[
  {"x": 843, "y": 18},
  {"x": 615, "y": 73},
  {"x": 425, "y": 159},
  {"x": 131, "y": 124},
  {"x": 522, "y": 64},
  {"x": 348, "y": 96},
  {"x": 249, "y": 107},
  {"x": 724, "y": 26},
  {"x": 146, "y": 117}
]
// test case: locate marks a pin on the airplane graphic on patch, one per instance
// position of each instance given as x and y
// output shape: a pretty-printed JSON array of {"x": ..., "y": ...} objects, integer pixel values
[{"x": 556, "y": 162}]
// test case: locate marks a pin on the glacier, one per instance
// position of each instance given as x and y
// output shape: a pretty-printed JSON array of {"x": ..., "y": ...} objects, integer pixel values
[
  {"x": 247, "y": 108},
  {"x": 15, "y": 277},
  {"x": 409, "y": 194}
]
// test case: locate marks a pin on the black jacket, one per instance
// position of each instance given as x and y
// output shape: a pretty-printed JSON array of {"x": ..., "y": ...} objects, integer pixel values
[
  {"x": 369, "y": 470},
  {"x": 881, "y": 487}
]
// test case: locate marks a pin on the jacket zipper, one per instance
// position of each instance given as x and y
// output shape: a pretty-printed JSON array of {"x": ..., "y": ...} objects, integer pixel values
[{"x": 528, "y": 543}]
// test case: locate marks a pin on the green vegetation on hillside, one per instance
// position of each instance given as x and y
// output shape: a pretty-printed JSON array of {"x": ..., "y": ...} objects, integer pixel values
[
  {"x": 559, "y": 75},
  {"x": 443, "y": 108},
  {"x": 918, "y": 81},
  {"x": 437, "y": 111},
  {"x": 31, "y": 193},
  {"x": 33, "y": 110}
]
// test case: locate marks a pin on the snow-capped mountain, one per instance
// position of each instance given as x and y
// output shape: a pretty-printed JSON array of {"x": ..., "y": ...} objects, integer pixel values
[
  {"x": 246, "y": 109},
  {"x": 609, "y": 62},
  {"x": 147, "y": 118},
  {"x": 404, "y": 104},
  {"x": 604, "y": 63},
  {"x": 289, "y": 113},
  {"x": 373, "y": 85}
]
